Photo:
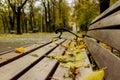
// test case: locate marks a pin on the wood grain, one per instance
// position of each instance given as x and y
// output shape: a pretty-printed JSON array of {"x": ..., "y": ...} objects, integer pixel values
[
  {"x": 111, "y": 21},
  {"x": 110, "y": 37},
  {"x": 12, "y": 69},
  {"x": 41, "y": 70},
  {"x": 115, "y": 7},
  {"x": 83, "y": 70},
  {"x": 104, "y": 58},
  {"x": 61, "y": 71}
]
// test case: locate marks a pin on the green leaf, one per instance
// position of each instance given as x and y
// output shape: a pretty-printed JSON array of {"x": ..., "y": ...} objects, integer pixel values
[
  {"x": 34, "y": 55},
  {"x": 66, "y": 76}
]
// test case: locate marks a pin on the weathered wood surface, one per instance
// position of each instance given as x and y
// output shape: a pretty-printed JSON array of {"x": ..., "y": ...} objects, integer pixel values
[
  {"x": 115, "y": 7},
  {"x": 104, "y": 58},
  {"x": 16, "y": 67},
  {"x": 61, "y": 71},
  {"x": 110, "y": 37},
  {"x": 12, "y": 54},
  {"x": 112, "y": 21},
  {"x": 43, "y": 69},
  {"x": 85, "y": 70}
]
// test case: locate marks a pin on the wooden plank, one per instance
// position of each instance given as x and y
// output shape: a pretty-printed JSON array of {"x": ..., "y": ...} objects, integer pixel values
[
  {"x": 10, "y": 70},
  {"x": 12, "y": 54},
  {"x": 115, "y": 7},
  {"x": 83, "y": 70},
  {"x": 110, "y": 37},
  {"x": 59, "y": 73},
  {"x": 42, "y": 70},
  {"x": 104, "y": 58},
  {"x": 111, "y": 21}
]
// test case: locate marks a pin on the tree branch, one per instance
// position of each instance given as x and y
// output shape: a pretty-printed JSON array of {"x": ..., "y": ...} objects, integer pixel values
[
  {"x": 23, "y": 4},
  {"x": 54, "y": 3},
  {"x": 13, "y": 8}
]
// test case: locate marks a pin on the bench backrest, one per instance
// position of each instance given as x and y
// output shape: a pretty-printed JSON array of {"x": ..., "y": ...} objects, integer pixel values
[{"x": 106, "y": 28}]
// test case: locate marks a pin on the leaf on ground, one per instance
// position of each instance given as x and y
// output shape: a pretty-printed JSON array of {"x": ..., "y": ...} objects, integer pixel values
[
  {"x": 20, "y": 50},
  {"x": 34, "y": 55},
  {"x": 96, "y": 75}
]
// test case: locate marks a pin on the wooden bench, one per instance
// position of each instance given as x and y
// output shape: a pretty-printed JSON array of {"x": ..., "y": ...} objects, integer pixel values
[
  {"x": 106, "y": 29},
  {"x": 26, "y": 66}
]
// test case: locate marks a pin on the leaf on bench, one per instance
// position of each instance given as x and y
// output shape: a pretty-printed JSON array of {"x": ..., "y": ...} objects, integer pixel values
[
  {"x": 20, "y": 50},
  {"x": 34, "y": 55},
  {"x": 4, "y": 58},
  {"x": 96, "y": 75}
]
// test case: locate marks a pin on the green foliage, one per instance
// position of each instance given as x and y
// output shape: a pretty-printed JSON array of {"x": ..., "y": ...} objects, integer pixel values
[
  {"x": 85, "y": 11},
  {"x": 62, "y": 13}
]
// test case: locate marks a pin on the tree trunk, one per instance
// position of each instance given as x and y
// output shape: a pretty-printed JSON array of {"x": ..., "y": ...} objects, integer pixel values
[
  {"x": 104, "y": 4},
  {"x": 18, "y": 14},
  {"x": 4, "y": 25},
  {"x": 49, "y": 18},
  {"x": 25, "y": 23},
  {"x": 46, "y": 23},
  {"x": 53, "y": 27}
]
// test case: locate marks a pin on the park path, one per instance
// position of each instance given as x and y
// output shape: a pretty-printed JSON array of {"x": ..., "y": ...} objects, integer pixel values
[{"x": 11, "y": 43}]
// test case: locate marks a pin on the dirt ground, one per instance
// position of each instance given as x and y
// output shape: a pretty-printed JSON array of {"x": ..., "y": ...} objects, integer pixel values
[{"x": 8, "y": 42}]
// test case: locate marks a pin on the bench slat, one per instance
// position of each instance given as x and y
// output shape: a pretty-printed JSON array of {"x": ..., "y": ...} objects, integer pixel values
[
  {"x": 115, "y": 7},
  {"x": 110, "y": 37},
  {"x": 59, "y": 73},
  {"x": 27, "y": 49},
  {"x": 42, "y": 70},
  {"x": 12, "y": 69},
  {"x": 104, "y": 58},
  {"x": 85, "y": 71},
  {"x": 111, "y": 21}
]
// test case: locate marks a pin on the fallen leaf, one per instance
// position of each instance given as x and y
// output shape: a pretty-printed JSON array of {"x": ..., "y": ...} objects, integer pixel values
[
  {"x": 96, "y": 75},
  {"x": 34, "y": 55},
  {"x": 4, "y": 58},
  {"x": 20, "y": 50}
]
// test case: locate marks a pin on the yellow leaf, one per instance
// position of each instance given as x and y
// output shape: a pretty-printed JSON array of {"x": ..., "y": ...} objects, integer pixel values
[
  {"x": 81, "y": 47},
  {"x": 69, "y": 46},
  {"x": 68, "y": 65},
  {"x": 20, "y": 50},
  {"x": 52, "y": 40},
  {"x": 72, "y": 64},
  {"x": 96, "y": 75},
  {"x": 79, "y": 57},
  {"x": 62, "y": 58}
]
